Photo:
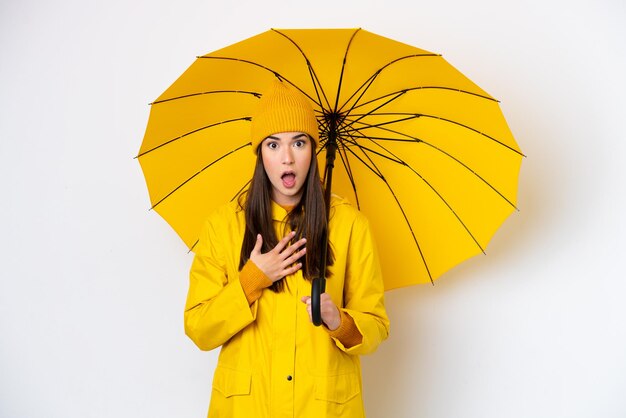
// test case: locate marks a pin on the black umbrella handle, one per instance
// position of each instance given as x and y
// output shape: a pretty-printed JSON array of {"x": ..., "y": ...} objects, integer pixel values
[{"x": 317, "y": 288}]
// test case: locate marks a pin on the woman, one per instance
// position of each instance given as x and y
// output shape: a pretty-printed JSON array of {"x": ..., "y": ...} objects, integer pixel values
[{"x": 250, "y": 282}]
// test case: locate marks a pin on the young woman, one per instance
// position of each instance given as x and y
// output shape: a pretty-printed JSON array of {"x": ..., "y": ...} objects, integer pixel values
[{"x": 250, "y": 282}]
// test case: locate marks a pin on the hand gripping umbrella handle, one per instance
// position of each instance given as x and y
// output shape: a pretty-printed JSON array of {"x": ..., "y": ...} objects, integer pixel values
[{"x": 317, "y": 288}]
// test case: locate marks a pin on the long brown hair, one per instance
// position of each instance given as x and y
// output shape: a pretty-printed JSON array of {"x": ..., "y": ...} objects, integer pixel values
[{"x": 307, "y": 218}]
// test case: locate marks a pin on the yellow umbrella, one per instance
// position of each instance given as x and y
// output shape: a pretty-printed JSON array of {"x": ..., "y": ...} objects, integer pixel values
[{"x": 424, "y": 152}]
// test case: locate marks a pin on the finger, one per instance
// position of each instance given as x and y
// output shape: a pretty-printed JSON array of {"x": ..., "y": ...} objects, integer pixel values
[
  {"x": 326, "y": 303},
  {"x": 283, "y": 242},
  {"x": 294, "y": 247},
  {"x": 291, "y": 270},
  {"x": 294, "y": 257},
  {"x": 306, "y": 299},
  {"x": 258, "y": 244},
  {"x": 287, "y": 253},
  {"x": 329, "y": 311},
  {"x": 288, "y": 257}
]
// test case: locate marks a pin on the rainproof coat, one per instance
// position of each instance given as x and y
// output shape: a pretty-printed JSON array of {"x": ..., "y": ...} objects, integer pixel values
[{"x": 274, "y": 362}]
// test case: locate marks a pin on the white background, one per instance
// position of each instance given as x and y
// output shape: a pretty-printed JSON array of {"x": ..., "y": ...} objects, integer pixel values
[{"x": 93, "y": 284}]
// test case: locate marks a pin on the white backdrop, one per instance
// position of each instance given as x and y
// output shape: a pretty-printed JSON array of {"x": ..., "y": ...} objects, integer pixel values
[{"x": 93, "y": 284}]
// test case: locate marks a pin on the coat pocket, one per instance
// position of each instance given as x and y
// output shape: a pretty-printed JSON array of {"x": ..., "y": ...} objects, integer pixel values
[
  {"x": 338, "y": 388},
  {"x": 230, "y": 382}
]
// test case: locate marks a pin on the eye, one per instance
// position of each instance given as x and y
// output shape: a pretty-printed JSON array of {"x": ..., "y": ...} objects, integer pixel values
[
  {"x": 272, "y": 145},
  {"x": 299, "y": 143}
]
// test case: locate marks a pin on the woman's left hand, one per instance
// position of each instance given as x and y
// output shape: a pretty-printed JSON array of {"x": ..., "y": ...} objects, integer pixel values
[{"x": 329, "y": 311}]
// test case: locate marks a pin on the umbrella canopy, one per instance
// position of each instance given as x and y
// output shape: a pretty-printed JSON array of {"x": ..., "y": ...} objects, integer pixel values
[{"x": 423, "y": 151}]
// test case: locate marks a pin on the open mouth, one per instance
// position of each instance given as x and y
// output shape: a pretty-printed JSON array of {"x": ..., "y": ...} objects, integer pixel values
[{"x": 289, "y": 179}]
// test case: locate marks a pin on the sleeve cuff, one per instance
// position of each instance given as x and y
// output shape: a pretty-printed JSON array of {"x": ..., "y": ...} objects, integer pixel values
[
  {"x": 347, "y": 333},
  {"x": 253, "y": 281}
]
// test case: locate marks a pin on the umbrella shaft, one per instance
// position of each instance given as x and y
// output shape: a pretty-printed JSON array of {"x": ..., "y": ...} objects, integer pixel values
[
  {"x": 331, "y": 150},
  {"x": 328, "y": 174},
  {"x": 319, "y": 283}
]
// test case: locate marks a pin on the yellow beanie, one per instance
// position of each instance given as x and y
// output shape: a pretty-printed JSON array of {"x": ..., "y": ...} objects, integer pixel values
[{"x": 282, "y": 109}]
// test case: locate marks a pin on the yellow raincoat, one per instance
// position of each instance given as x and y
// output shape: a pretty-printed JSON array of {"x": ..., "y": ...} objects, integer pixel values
[{"x": 273, "y": 361}]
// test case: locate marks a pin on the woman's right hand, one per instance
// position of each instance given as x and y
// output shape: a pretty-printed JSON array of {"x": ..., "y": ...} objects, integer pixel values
[{"x": 280, "y": 261}]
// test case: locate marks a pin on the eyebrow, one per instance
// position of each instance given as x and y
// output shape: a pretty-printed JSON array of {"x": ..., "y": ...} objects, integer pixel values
[{"x": 294, "y": 137}]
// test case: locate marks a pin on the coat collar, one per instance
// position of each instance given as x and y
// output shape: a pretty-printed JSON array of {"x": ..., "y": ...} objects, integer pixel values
[{"x": 279, "y": 213}]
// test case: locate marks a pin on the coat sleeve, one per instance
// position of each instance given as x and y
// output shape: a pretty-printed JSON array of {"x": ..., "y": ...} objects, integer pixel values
[
  {"x": 364, "y": 290},
  {"x": 216, "y": 307}
]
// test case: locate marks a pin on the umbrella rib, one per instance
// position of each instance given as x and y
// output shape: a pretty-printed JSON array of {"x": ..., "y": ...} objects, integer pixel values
[
  {"x": 399, "y": 93},
  {"x": 372, "y": 169},
  {"x": 199, "y": 172},
  {"x": 367, "y": 83},
  {"x": 447, "y": 154},
  {"x": 372, "y": 112},
  {"x": 473, "y": 172},
  {"x": 377, "y": 171},
  {"x": 255, "y": 94},
  {"x": 276, "y": 73},
  {"x": 365, "y": 86},
  {"x": 190, "y": 133},
  {"x": 400, "y": 161},
  {"x": 408, "y": 89},
  {"x": 343, "y": 67},
  {"x": 346, "y": 165},
  {"x": 312, "y": 73},
  {"x": 235, "y": 196},
  {"x": 241, "y": 190},
  {"x": 410, "y": 116},
  {"x": 395, "y": 159}
]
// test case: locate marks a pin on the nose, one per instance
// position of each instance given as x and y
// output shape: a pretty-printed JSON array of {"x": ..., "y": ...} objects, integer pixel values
[{"x": 287, "y": 156}]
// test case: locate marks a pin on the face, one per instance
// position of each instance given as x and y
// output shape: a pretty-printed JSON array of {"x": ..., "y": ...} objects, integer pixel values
[{"x": 286, "y": 159}]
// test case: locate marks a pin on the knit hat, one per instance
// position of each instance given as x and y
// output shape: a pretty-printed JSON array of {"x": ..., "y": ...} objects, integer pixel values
[{"x": 282, "y": 109}]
